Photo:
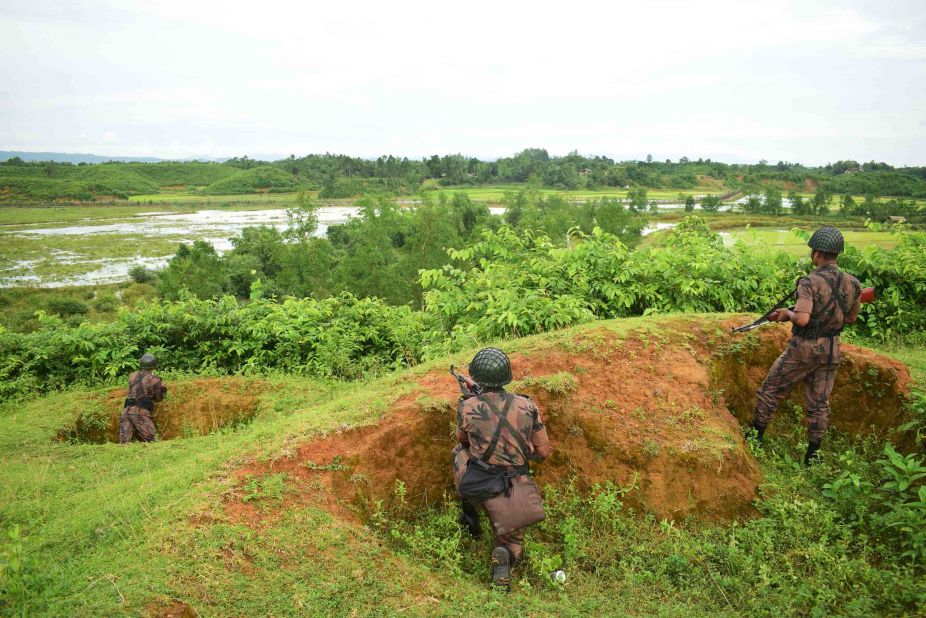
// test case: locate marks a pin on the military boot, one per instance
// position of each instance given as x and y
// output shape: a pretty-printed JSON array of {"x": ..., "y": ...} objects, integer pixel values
[
  {"x": 469, "y": 519},
  {"x": 501, "y": 568},
  {"x": 760, "y": 432},
  {"x": 812, "y": 456}
]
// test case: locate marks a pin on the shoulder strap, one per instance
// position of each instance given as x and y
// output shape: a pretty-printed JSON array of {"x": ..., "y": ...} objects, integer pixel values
[
  {"x": 502, "y": 423},
  {"x": 836, "y": 289},
  {"x": 498, "y": 429},
  {"x": 133, "y": 384}
]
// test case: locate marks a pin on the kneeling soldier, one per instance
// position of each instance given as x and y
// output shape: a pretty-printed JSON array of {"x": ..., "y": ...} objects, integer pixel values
[
  {"x": 498, "y": 433},
  {"x": 827, "y": 300},
  {"x": 145, "y": 389}
]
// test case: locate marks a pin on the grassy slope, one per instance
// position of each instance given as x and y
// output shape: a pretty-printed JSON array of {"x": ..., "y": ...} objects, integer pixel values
[{"x": 112, "y": 530}]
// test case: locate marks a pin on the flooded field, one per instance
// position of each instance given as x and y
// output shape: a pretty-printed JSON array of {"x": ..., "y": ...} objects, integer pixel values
[
  {"x": 59, "y": 247},
  {"x": 95, "y": 251}
]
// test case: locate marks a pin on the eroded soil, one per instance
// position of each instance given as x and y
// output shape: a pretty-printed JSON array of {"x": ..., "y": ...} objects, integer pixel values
[{"x": 192, "y": 408}]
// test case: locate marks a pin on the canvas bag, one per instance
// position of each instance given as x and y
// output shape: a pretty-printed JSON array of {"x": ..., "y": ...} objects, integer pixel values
[{"x": 522, "y": 507}]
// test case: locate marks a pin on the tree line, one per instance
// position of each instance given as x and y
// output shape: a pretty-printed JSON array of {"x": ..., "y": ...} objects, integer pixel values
[{"x": 339, "y": 176}]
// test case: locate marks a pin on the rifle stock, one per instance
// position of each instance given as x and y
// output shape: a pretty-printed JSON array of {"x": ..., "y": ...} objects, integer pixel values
[{"x": 468, "y": 386}]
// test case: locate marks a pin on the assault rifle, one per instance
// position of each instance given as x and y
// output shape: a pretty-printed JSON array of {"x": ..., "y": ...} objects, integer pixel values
[
  {"x": 868, "y": 296},
  {"x": 468, "y": 386}
]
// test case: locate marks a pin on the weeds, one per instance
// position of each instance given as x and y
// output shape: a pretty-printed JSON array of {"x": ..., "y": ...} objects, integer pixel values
[
  {"x": 561, "y": 383},
  {"x": 270, "y": 487}
]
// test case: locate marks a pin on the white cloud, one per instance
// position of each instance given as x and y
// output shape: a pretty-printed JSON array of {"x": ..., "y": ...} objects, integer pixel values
[{"x": 175, "y": 78}]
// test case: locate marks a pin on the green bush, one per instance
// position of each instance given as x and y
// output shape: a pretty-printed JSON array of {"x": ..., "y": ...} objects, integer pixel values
[
  {"x": 140, "y": 274},
  {"x": 251, "y": 180},
  {"x": 887, "y": 499},
  {"x": 66, "y": 307},
  {"x": 506, "y": 284},
  {"x": 341, "y": 337}
]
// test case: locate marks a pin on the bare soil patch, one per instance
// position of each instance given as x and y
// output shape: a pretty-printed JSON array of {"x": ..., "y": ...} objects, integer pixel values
[
  {"x": 650, "y": 410},
  {"x": 868, "y": 397},
  {"x": 192, "y": 408}
]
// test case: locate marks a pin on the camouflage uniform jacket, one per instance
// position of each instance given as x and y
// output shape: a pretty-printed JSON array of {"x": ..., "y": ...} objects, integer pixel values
[
  {"x": 477, "y": 424},
  {"x": 144, "y": 385},
  {"x": 832, "y": 298}
]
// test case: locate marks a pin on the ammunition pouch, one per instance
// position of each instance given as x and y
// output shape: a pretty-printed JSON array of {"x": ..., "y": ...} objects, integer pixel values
[{"x": 482, "y": 481}]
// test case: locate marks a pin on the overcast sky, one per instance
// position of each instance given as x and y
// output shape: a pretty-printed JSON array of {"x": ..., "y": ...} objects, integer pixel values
[{"x": 736, "y": 81}]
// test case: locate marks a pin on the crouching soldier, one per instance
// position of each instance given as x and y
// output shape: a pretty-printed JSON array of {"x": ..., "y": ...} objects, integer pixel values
[
  {"x": 145, "y": 389},
  {"x": 498, "y": 434},
  {"x": 827, "y": 300}
]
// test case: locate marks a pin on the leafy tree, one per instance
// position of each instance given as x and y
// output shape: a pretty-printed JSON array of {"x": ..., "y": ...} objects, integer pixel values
[
  {"x": 847, "y": 206},
  {"x": 689, "y": 203},
  {"x": 798, "y": 205},
  {"x": 196, "y": 268},
  {"x": 820, "y": 201},
  {"x": 303, "y": 217},
  {"x": 637, "y": 199},
  {"x": 710, "y": 203},
  {"x": 772, "y": 203}
]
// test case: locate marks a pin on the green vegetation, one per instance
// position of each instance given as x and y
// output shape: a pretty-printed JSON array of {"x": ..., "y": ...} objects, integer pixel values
[
  {"x": 339, "y": 176},
  {"x": 263, "y": 178},
  {"x": 100, "y": 530},
  {"x": 73, "y": 305},
  {"x": 504, "y": 284}
]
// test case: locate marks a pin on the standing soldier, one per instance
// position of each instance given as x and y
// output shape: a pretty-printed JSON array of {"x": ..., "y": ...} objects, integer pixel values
[
  {"x": 498, "y": 433},
  {"x": 827, "y": 300},
  {"x": 145, "y": 389}
]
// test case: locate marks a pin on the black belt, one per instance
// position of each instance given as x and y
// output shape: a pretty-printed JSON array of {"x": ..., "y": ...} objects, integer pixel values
[{"x": 140, "y": 402}]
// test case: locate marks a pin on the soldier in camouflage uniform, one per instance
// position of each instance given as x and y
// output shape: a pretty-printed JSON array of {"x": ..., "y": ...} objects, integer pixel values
[
  {"x": 145, "y": 389},
  {"x": 478, "y": 422},
  {"x": 827, "y": 300}
]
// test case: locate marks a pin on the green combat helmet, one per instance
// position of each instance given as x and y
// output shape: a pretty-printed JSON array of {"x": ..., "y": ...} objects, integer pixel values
[
  {"x": 827, "y": 239},
  {"x": 490, "y": 367},
  {"x": 148, "y": 361}
]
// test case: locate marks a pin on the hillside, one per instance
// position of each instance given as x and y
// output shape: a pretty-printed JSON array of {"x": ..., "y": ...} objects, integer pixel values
[
  {"x": 341, "y": 176},
  {"x": 329, "y": 498}
]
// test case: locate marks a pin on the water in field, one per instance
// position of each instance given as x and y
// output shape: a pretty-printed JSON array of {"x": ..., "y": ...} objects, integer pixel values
[{"x": 75, "y": 268}]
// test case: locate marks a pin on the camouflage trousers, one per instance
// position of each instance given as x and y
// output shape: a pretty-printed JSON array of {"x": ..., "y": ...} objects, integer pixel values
[
  {"x": 132, "y": 423},
  {"x": 813, "y": 362},
  {"x": 513, "y": 541}
]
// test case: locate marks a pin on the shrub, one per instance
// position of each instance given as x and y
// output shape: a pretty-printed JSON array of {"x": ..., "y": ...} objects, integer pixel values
[
  {"x": 140, "y": 274},
  {"x": 66, "y": 306}
]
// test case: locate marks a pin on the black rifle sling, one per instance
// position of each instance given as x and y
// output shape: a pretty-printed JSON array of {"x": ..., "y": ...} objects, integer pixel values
[
  {"x": 502, "y": 423},
  {"x": 132, "y": 385},
  {"x": 498, "y": 430},
  {"x": 835, "y": 288}
]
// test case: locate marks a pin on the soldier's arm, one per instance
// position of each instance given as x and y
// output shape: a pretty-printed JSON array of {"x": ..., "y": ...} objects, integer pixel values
[
  {"x": 802, "y": 308},
  {"x": 852, "y": 316},
  {"x": 160, "y": 389},
  {"x": 539, "y": 438},
  {"x": 462, "y": 436}
]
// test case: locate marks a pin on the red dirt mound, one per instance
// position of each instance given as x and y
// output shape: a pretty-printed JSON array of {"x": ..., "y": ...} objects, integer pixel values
[
  {"x": 192, "y": 408},
  {"x": 649, "y": 411},
  {"x": 870, "y": 388}
]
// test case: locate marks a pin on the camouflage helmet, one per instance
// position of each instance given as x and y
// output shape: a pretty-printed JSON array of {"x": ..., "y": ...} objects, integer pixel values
[
  {"x": 490, "y": 367},
  {"x": 827, "y": 239},
  {"x": 148, "y": 361}
]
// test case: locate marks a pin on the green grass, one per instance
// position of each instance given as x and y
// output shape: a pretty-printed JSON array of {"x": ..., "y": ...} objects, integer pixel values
[
  {"x": 494, "y": 194},
  {"x": 18, "y": 305},
  {"x": 109, "y": 530},
  {"x": 194, "y": 200},
  {"x": 785, "y": 240}
]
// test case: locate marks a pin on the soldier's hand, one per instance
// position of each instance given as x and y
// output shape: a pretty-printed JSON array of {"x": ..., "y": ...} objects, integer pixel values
[
  {"x": 774, "y": 316},
  {"x": 784, "y": 316}
]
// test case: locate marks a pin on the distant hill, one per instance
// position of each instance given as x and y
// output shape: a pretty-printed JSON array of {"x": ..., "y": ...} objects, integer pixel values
[
  {"x": 71, "y": 157},
  {"x": 76, "y": 157}
]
